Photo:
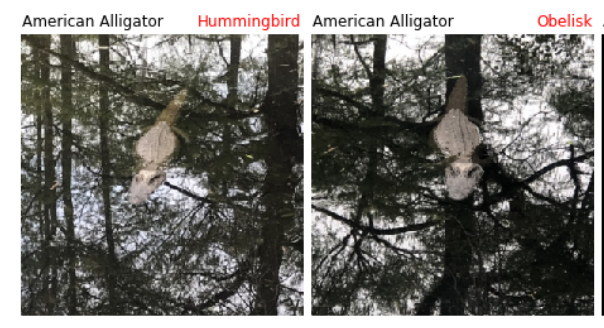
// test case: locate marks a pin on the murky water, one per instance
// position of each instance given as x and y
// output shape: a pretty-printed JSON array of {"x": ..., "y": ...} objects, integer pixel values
[
  {"x": 221, "y": 235},
  {"x": 402, "y": 225}
]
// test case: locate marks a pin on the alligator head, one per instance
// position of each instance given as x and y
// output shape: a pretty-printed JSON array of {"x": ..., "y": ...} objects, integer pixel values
[
  {"x": 144, "y": 183},
  {"x": 461, "y": 177}
]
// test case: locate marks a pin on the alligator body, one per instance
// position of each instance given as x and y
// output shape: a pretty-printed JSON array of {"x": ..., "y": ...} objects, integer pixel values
[
  {"x": 457, "y": 137},
  {"x": 154, "y": 149}
]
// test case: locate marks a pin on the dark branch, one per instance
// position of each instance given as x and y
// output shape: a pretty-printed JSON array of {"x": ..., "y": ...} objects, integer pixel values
[
  {"x": 188, "y": 193},
  {"x": 564, "y": 162},
  {"x": 351, "y": 101},
  {"x": 393, "y": 231}
]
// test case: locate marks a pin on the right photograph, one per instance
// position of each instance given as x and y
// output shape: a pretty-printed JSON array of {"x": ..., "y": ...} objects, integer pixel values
[{"x": 452, "y": 175}]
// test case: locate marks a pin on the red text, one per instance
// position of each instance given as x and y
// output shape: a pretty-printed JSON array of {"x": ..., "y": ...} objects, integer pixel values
[
  {"x": 264, "y": 22},
  {"x": 568, "y": 21}
]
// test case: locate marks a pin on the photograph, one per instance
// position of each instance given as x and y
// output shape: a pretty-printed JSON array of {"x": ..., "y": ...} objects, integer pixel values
[
  {"x": 452, "y": 175},
  {"x": 162, "y": 174}
]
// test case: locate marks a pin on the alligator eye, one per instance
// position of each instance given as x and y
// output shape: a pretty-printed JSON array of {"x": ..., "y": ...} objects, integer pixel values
[
  {"x": 473, "y": 171},
  {"x": 154, "y": 178}
]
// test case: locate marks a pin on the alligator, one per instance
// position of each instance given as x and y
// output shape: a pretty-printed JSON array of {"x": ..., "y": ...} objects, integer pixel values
[
  {"x": 457, "y": 136},
  {"x": 154, "y": 148}
]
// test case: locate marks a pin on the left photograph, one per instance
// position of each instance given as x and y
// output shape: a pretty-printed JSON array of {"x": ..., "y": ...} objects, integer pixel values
[{"x": 161, "y": 175}]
